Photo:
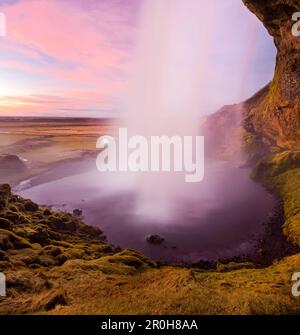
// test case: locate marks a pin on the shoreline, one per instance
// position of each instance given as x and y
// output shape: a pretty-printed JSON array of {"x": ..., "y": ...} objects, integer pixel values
[
  {"x": 271, "y": 246},
  {"x": 262, "y": 255},
  {"x": 36, "y": 177}
]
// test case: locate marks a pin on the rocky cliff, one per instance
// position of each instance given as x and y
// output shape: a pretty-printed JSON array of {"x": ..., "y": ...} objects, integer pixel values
[
  {"x": 265, "y": 129},
  {"x": 272, "y": 118}
]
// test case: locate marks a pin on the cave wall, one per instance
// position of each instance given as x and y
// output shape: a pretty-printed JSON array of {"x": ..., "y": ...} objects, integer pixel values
[{"x": 274, "y": 121}]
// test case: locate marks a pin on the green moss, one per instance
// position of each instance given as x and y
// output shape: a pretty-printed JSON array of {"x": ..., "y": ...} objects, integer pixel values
[
  {"x": 26, "y": 256},
  {"x": 249, "y": 143},
  {"x": 5, "y": 224},
  {"x": 73, "y": 253},
  {"x": 99, "y": 249},
  {"x": 281, "y": 174},
  {"x": 62, "y": 244},
  {"x": 127, "y": 262},
  {"x": 5, "y": 191},
  {"x": 274, "y": 93},
  {"x": 53, "y": 237},
  {"x": 221, "y": 267},
  {"x": 274, "y": 165},
  {"x": 9, "y": 240},
  {"x": 284, "y": 161},
  {"x": 288, "y": 185},
  {"x": 3, "y": 256},
  {"x": 30, "y": 206},
  {"x": 53, "y": 250}
]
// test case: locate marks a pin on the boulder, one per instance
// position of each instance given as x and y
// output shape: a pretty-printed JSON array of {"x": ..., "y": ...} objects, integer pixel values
[
  {"x": 154, "y": 239},
  {"x": 5, "y": 224},
  {"x": 77, "y": 212},
  {"x": 30, "y": 206}
]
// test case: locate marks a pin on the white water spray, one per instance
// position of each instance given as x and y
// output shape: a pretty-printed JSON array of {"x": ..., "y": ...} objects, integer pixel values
[{"x": 165, "y": 91}]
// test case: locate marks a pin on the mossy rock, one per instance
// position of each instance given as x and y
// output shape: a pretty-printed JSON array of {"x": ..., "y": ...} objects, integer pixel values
[
  {"x": 133, "y": 253},
  {"x": 62, "y": 243},
  {"x": 287, "y": 185},
  {"x": 53, "y": 237},
  {"x": 9, "y": 240},
  {"x": 5, "y": 224},
  {"x": 12, "y": 216},
  {"x": 275, "y": 165},
  {"x": 223, "y": 267},
  {"x": 284, "y": 161},
  {"x": 99, "y": 249},
  {"x": 30, "y": 206},
  {"x": 74, "y": 253},
  {"x": 3, "y": 204},
  {"x": 53, "y": 250},
  {"x": 5, "y": 191},
  {"x": 46, "y": 212},
  {"x": 129, "y": 258},
  {"x": 93, "y": 231},
  {"x": 62, "y": 223},
  {"x": 40, "y": 235},
  {"x": 3, "y": 256},
  {"x": 26, "y": 256}
]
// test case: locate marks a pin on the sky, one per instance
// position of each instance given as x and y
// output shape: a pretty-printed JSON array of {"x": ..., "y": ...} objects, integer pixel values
[{"x": 73, "y": 57}]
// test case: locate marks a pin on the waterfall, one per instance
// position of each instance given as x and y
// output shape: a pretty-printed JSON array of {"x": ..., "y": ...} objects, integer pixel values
[{"x": 165, "y": 90}]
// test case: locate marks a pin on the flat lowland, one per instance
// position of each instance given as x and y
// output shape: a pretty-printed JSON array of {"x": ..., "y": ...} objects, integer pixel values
[{"x": 41, "y": 143}]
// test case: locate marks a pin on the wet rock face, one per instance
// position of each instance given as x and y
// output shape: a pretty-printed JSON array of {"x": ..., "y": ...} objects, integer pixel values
[
  {"x": 268, "y": 122},
  {"x": 275, "y": 120},
  {"x": 276, "y": 15}
]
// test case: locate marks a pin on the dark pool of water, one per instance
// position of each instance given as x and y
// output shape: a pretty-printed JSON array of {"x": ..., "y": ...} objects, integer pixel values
[{"x": 221, "y": 219}]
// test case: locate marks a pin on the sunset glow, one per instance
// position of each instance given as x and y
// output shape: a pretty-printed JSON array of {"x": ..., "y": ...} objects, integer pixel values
[{"x": 79, "y": 64}]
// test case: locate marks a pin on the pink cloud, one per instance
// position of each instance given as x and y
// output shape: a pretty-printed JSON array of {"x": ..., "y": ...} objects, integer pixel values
[
  {"x": 74, "y": 46},
  {"x": 70, "y": 101}
]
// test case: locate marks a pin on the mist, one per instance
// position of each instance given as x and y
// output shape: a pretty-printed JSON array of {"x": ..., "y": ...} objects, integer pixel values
[
  {"x": 163, "y": 98},
  {"x": 177, "y": 78},
  {"x": 173, "y": 75}
]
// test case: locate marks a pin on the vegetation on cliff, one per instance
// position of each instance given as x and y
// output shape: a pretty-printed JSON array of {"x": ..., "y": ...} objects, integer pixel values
[
  {"x": 275, "y": 119},
  {"x": 272, "y": 117}
]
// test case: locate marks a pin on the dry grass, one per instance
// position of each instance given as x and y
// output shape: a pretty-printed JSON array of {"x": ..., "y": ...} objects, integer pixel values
[{"x": 97, "y": 287}]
